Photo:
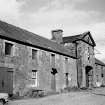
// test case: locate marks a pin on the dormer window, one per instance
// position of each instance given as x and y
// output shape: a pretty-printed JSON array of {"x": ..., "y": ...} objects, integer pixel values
[{"x": 8, "y": 48}]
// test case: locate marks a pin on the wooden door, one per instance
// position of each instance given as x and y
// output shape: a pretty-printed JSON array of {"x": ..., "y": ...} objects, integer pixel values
[
  {"x": 3, "y": 80},
  {"x": 89, "y": 79},
  {"x": 6, "y": 80},
  {"x": 10, "y": 82},
  {"x": 53, "y": 83}
]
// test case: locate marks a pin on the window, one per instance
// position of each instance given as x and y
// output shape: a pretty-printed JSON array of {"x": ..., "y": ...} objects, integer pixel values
[
  {"x": 66, "y": 60},
  {"x": 8, "y": 48},
  {"x": 53, "y": 60},
  {"x": 67, "y": 80},
  {"x": 88, "y": 53},
  {"x": 66, "y": 64},
  {"x": 102, "y": 75},
  {"x": 34, "y": 78},
  {"x": 34, "y": 54}
]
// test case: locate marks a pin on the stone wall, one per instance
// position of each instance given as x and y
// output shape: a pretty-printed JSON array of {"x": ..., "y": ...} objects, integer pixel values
[
  {"x": 22, "y": 63},
  {"x": 99, "y": 71},
  {"x": 85, "y": 54},
  {"x": 71, "y": 47}
]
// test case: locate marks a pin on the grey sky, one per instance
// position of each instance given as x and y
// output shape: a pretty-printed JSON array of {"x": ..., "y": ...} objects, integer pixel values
[
  {"x": 92, "y": 5},
  {"x": 73, "y": 16}
]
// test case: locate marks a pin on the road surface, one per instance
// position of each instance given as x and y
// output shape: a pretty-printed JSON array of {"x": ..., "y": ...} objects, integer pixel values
[{"x": 96, "y": 97}]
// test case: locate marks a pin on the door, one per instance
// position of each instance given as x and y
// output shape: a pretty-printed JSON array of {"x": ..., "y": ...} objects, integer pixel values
[
  {"x": 10, "y": 82},
  {"x": 53, "y": 83},
  {"x": 87, "y": 79},
  {"x": 3, "y": 81},
  {"x": 6, "y": 80},
  {"x": 88, "y": 76},
  {"x": 53, "y": 80}
]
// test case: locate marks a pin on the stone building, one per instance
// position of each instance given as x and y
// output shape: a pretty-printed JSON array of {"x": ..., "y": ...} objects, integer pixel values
[
  {"x": 29, "y": 61},
  {"x": 100, "y": 73}
]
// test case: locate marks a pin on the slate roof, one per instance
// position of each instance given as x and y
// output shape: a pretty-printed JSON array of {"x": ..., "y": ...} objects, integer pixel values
[
  {"x": 99, "y": 62},
  {"x": 70, "y": 39},
  {"x": 13, "y": 33}
]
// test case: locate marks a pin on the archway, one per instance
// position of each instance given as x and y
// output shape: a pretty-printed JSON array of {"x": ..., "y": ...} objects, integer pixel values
[{"x": 89, "y": 74}]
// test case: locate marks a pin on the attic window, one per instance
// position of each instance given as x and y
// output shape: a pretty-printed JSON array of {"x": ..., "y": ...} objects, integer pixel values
[{"x": 8, "y": 48}]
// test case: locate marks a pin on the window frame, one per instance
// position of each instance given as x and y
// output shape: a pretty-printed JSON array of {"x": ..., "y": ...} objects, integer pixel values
[
  {"x": 53, "y": 60},
  {"x": 12, "y": 49},
  {"x": 34, "y": 78},
  {"x": 35, "y": 54}
]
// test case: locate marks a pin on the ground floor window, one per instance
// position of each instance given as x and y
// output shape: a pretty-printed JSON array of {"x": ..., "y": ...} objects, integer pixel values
[{"x": 34, "y": 78}]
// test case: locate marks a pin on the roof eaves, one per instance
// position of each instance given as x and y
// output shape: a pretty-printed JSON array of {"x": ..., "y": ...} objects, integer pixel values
[
  {"x": 29, "y": 43},
  {"x": 99, "y": 62}
]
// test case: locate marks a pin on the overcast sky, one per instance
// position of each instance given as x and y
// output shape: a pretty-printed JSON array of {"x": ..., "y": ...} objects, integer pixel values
[{"x": 73, "y": 16}]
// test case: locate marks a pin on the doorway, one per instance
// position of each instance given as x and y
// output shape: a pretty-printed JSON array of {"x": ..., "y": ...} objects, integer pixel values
[
  {"x": 6, "y": 80},
  {"x": 89, "y": 74},
  {"x": 53, "y": 80}
]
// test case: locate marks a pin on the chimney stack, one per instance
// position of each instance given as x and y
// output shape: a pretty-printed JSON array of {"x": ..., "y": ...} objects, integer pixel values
[{"x": 57, "y": 35}]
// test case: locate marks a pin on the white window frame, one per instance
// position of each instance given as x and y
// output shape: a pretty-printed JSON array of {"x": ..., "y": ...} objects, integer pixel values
[{"x": 34, "y": 78}]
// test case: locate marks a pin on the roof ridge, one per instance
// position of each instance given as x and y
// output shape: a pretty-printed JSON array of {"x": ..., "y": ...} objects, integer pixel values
[
  {"x": 23, "y": 29},
  {"x": 84, "y": 33}
]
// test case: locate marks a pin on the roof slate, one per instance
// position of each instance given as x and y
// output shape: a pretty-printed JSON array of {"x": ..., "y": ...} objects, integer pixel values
[
  {"x": 71, "y": 39},
  {"x": 18, "y": 34},
  {"x": 97, "y": 61}
]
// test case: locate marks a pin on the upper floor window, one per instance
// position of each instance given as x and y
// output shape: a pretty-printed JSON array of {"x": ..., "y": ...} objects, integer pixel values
[
  {"x": 34, "y": 54},
  {"x": 66, "y": 60},
  {"x": 53, "y": 60},
  {"x": 101, "y": 68},
  {"x": 8, "y": 48},
  {"x": 66, "y": 65}
]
